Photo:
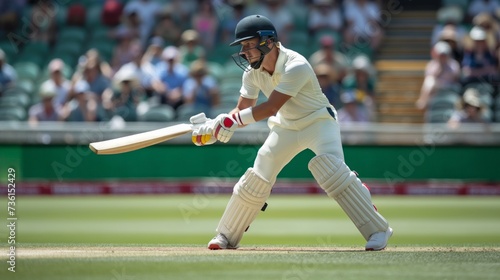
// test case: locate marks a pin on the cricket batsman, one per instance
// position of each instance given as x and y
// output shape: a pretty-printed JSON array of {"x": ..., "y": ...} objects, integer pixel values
[{"x": 299, "y": 117}]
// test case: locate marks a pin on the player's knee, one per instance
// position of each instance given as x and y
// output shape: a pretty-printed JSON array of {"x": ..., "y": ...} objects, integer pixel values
[
  {"x": 331, "y": 173},
  {"x": 252, "y": 187}
]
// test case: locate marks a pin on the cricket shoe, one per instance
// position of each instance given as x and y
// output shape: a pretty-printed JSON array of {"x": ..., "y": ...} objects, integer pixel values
[
  {"x": 378, "y": 240},
  {"x": 220, "y": 242}
]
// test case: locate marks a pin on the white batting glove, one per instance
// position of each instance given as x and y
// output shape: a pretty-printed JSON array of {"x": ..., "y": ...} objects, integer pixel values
[
  {"x": 224, "y": 127},
  {"x": 202, "y": 130}
]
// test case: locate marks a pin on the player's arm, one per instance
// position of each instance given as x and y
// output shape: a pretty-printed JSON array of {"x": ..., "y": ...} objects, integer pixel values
[{"x": 264, "y": 110}]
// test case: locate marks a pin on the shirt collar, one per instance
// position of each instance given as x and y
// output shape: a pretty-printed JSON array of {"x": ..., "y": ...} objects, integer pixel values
[{"x": 280, "y": 62}]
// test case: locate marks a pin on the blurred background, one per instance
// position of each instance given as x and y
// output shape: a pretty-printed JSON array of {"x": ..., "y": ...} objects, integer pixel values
[{"x": 415, "y": 84}]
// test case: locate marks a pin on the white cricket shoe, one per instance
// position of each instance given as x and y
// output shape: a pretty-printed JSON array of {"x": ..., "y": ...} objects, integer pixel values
[
  {"x": 378, "y": 240},
  {"x": 219, "y": 242}
]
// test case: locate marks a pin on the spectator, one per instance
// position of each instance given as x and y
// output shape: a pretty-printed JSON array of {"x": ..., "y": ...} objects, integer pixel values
[
  {"x": 282, "y": 18},
  {"x": 45, "y": 110},
  {"x": 83, "y": 108},
  {"x": 479, "y": 63},
  {"x": 182, "y": 11},
  {"x": 173, "y": 75},
  {"x": 200, "y": 89},
  {"x": 8, "y": 74},
  {"x": 449, "y": 17},
  {"x": 206, "y": 23},
  {"x": 490, "y": 26},
  {"x": 97, "y": 82},
  {"x": 325, "y": 15},
  {"x": 44, "y": 30},
  {"x": 327, "y": 54},
  {"x": 363, "y": 26},
  {"x": 449, "y": 35},
  {"x": 121, "y": 101},
  {"x": 154, "y": 50},
  {"x": 147, "y": 11},
  {"x": 112, "y": 11},
  {"x": 440, "y": 73},
  {"x": 190, "y": 50},
  {"x": 167, "y": 28},
  {"x": 352, "y": 110},
  {"x": 470, "y": 109},
  {"x": 123, "y": 53},
  {"x": 477, "y": 7},
  {"x": 10, "y": 15},
  {"x": 362, "y": 83},
  {"x": 144, "y": 71},
  {"x": 228, "y": 25},
  {"x": 329, "y": 83},
  {"x": 59, "y": 82}
]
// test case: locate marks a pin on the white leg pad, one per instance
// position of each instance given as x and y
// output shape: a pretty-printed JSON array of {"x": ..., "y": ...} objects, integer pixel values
[
  {"x": 341, "y": 184},
  {"x": 249, "y": 195}
]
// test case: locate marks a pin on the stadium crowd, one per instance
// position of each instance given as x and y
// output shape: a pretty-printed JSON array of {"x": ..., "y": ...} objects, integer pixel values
[{"x": 166, "y": 60}]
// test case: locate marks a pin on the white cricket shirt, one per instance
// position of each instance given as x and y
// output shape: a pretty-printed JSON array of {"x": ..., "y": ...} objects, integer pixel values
[{"x": 293, "y": 76}]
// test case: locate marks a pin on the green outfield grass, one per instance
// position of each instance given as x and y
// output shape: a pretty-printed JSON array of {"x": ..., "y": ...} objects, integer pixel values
[{"x": 298, "y": 237}]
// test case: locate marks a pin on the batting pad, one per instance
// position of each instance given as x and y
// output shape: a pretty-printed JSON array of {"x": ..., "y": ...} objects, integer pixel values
[
  {"x": 341, "y": 184},
  {"x": 249, "y": 195}
]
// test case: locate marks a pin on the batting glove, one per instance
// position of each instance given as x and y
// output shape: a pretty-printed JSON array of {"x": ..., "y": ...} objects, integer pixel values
[
  {"x": 224, "y": 127},
  {"x": 202, "y": 130}
]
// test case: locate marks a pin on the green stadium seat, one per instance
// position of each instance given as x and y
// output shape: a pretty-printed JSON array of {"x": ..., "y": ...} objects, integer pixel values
[
  {"x": 27, "y": 70},
  {"x": 161, "y": 113},
  {"x": 25, "y": 85},
  {"x": 93, "y": 17},
  {"x": 215, "y": 70},
  {"x": 40, "y": 48},
  {"x": 15, "y": 100},
  {"x": 72, "y": 35},
  {"x": 13, "y": 114}
]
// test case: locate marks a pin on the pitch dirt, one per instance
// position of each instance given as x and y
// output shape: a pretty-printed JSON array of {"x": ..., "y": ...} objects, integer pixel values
[{"x": 124, "y": 251}]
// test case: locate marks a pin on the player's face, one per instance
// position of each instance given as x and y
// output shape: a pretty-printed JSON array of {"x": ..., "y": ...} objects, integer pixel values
[{"x": 249, "y": 50}]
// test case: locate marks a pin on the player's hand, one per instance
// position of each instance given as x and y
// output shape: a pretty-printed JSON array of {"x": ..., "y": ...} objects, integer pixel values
[
  {"x": 202, "y": 130},
  {"x": 224, "y": 127}
]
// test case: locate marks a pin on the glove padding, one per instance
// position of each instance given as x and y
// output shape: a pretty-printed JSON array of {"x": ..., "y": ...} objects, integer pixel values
[
  {"x": 224, "y": 127},
  {"x": 202, "y": 130}
]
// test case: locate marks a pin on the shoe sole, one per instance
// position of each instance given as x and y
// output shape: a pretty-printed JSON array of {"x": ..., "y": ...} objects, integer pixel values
[
  {"x": 376, "y": 249},
  {"x": 214, "y": 247}
]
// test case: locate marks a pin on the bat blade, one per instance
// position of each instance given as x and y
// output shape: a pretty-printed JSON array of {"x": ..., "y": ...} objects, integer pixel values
[{"x": 139, "y": 141}]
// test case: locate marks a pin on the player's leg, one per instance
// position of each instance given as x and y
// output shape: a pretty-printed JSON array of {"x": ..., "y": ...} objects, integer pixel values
[
  {"x": 341, "y": 184},
  {"x": 253, "y": 188}
]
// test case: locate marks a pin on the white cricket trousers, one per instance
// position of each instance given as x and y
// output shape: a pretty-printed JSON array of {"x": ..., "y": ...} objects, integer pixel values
[{"x": 322, "y": 137}]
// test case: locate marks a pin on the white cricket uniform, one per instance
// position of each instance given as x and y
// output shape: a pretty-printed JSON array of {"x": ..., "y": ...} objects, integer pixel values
[{"x": 305, "y": 121}]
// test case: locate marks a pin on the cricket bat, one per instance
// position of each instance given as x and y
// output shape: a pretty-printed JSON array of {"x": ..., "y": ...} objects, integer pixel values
[{"x": 140, "y": 140}]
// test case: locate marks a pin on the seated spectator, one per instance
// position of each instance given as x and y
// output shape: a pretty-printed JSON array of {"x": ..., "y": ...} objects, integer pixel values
[
  {"x": 362, "y": 83},
  {"x": 228, "y": 25},
  {"x": 59, "y": 82},
  {"x": 352, "y": 110},
  {"x": 154, "y": 50},
  {"x": 482, "y": 6},
  {"x": 363, "y": 26},
  {"x": 173, "y": 75},
  {"x": 479, "y": 63},
  {"x": 276, "y": 11},
  {"x": 200, "y": 89},
  {"x": 97, "y": 82},
  {"x": 449, "y": 35},
  {"x": 450, "y": 17},
  {"x": 327, "y": 54},
  {"x": 325, "y": 15},
  {"x": 123, "y": 52},
  {"x": 440, "y": 73},
  {"x": 45, "y": 109},
  {"x": 147, "y": 11},
  {"x": 84, "y": 107},
  {"x": 10, "y": 15},
  {"x": 8, "y": 74},
  {"x": 191, "y": 49},
  {"x": 121, "y": 101},
  {"x": 44, "y": 30},
  {"x": 470, "y": 109},
  {"x": 167, "y": 28},
  {"x": 491, "y": 27},
  {"x": 206, "y": 23},
  {"x": 145, "y": 72},
  {"x": 329, "y": 83}
]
